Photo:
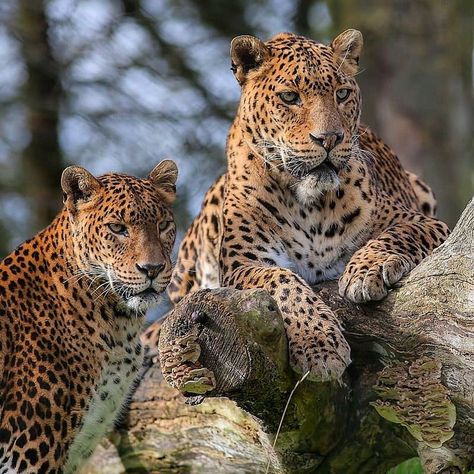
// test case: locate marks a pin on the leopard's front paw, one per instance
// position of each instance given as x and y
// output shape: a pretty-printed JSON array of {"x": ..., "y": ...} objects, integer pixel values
[
  {"x": 324, "y": 354},
  {"x": 368, "y": 277}
]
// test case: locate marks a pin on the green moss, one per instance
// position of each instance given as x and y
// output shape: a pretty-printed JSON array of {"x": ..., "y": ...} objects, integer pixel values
[{"x": 411, "y": 466}]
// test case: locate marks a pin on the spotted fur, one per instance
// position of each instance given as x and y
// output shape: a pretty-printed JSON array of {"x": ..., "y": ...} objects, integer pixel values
[
  {"x": 425, "y": 198},
  {"x": 309, "y": 195},
  {"x": 72, "y": 303}
]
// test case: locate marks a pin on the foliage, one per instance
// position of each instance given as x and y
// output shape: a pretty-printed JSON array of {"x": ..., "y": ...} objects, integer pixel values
[{"x": 411, "y": 466}]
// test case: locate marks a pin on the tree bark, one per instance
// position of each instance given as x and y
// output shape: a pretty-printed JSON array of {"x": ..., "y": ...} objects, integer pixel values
[
  {"x": 409, "y": 391},
  {"x": 42, "y": 162}
]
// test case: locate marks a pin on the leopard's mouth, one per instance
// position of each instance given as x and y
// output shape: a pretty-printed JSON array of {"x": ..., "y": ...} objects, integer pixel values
[
  {"x": 325, "y": 168},
  {"x": 143, "y": 300},
  {"x": 137, "y": 299},
  {"x": 148, "y": 292},
  {"x": 316, "y": 181},
  {"x": 148, "y": 296},
  {"x": 323, "y": 171}
]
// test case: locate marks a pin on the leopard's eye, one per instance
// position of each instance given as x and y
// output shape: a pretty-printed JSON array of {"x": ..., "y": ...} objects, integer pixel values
[
  {"x": 342, "y": 94},
  {"x": 163, "y": 225},
  {"x": 119, "y": 229},
  {"x": 290, "y": 98}
]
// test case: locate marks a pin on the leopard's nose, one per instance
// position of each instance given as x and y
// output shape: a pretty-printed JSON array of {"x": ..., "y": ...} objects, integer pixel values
[
  {"x": 151, "y": 270},
  {"x": 328, "y": 140}
]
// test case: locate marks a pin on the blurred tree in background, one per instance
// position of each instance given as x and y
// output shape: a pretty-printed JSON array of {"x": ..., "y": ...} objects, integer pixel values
[{"x": 122, "y": 84}]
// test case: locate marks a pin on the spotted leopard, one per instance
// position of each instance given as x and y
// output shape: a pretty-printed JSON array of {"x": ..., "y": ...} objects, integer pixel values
[
  {"x": 72, "y": 303},
  {"x": 310, "y": 195}
]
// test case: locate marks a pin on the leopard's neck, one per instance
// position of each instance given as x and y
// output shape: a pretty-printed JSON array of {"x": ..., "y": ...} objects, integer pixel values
[
  {"x": 58, "y": 258},
  {"x": 245, "y": 161}
]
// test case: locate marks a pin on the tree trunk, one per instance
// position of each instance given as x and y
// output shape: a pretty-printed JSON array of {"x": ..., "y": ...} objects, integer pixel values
[
  {"x": 409, "y": 392},
  {"x": 42, "y": 162}
]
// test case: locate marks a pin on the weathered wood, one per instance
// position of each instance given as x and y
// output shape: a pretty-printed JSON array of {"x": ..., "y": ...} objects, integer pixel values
[
  {"x": 231, "y": 343},
  {"x": 242, "y": 332},
  {"x": 167, "y": 436},
  {"x": 431, "y": 315}
]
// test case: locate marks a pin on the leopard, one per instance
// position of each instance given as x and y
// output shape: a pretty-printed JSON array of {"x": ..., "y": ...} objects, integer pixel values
[
  {"x": 72, "y": 305},
  {"x": 197, "y": 263},
  {"x": 310, "y": 194}
]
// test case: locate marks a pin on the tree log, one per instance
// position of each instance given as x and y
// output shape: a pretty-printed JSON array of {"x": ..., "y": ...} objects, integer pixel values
[{"x": 409, "y": 391}]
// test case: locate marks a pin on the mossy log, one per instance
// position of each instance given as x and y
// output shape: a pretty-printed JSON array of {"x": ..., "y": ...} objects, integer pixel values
[{"x": 409, "y": 391}]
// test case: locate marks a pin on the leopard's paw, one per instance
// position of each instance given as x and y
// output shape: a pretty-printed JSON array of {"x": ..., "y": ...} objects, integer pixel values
[
  {"x": 325, "y": 355},
  {"x": 370, "y": 279}
]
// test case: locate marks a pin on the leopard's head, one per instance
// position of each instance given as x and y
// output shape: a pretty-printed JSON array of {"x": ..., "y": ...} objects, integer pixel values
[
  {"x": 122, "y": 232},
  {"x": 300, "y": 106}
]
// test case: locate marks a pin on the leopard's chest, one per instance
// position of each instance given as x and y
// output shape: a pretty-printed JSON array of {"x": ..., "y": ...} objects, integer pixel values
[
  {"x": 318, "y": 242},
  {"x": 106, "y": 401}
]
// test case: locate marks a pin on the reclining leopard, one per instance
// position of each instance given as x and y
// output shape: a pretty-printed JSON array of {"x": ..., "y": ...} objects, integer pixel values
[
  {"x": 309, "y": 195},
  {"x": 72, "y": 304}
]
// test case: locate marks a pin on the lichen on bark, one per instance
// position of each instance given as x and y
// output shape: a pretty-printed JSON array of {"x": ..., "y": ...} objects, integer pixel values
[{"x": 412, "y": 394}]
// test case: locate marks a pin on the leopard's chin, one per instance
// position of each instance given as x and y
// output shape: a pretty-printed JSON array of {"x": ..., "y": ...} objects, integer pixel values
[
  {"x": 318, "y": 181},
  {"x": 143, "y": 301},
  {"x": 139, "y": 304}
]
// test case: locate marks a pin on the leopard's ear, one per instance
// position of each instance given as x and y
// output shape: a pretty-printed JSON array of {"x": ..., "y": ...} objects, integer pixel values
[
  {"x": 164, "y": 176},
  {"x": 78, "y": 186},
  {"x": 247, "y": 53},
  {"x": 347, "y": 48}
]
